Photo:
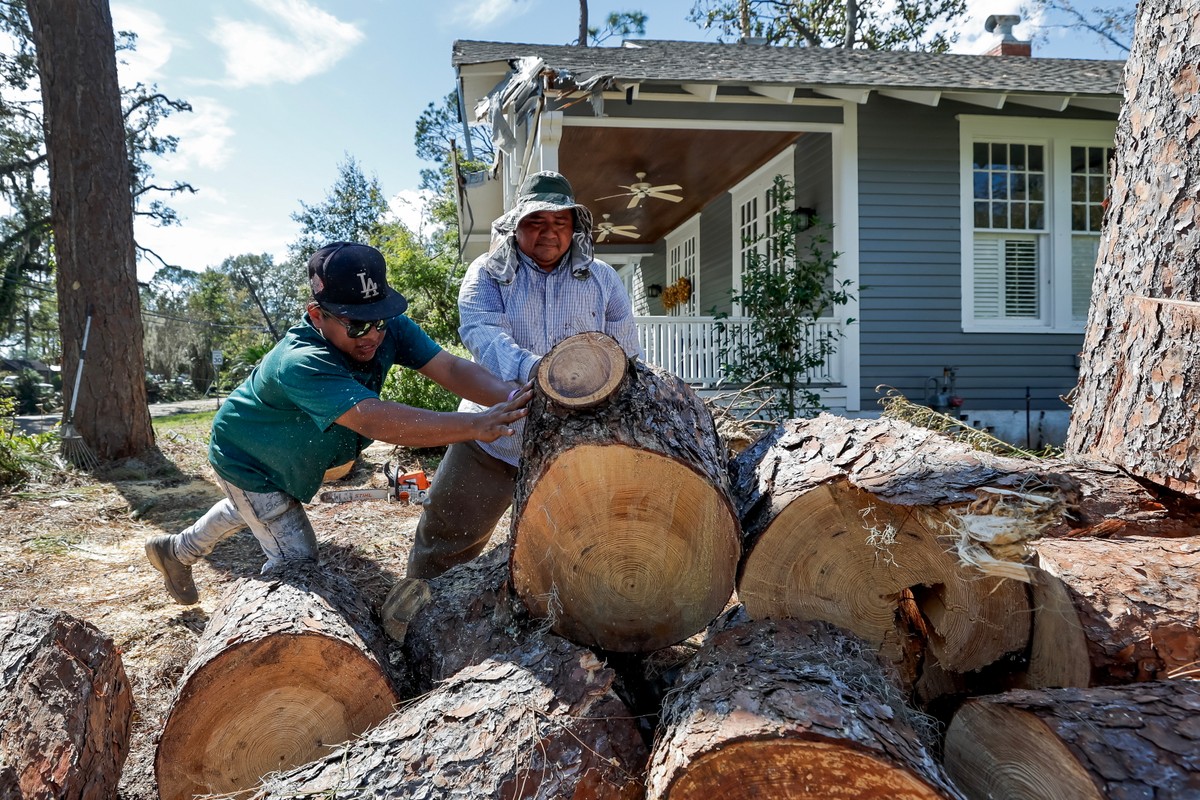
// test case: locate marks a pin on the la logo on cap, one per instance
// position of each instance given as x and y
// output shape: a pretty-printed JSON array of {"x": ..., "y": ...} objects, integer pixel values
[{"x": 369, "y": 287}]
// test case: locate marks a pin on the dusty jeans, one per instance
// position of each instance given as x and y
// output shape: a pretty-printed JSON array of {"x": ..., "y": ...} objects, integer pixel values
[
  {"x": 277, "y": 520},
  {"x": 470, "y": 492}
]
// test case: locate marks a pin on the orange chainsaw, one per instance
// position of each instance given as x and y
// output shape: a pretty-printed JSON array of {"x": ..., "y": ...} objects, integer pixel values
[{"x": 411, "y": 488}]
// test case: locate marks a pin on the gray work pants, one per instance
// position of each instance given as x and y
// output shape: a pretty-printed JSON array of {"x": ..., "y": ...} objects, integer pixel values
[
  {"x": 277, "y": 520},
  {"x": 469, "y": 494}
]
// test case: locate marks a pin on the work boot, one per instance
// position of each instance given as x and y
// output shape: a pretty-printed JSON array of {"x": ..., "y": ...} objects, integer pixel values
[
  {"x": 177, "y": 576},
  {"x": 406, "y": 597}
]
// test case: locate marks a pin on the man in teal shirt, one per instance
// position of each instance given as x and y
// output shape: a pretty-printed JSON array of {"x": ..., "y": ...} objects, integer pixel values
[{"x": 313, "y": 403}]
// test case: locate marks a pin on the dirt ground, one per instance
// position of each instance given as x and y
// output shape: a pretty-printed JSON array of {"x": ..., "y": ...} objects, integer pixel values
[{"x": 75, "y": 543}]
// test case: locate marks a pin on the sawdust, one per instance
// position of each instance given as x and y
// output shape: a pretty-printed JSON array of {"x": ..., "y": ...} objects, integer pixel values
[{"x": 76, "y": 545}]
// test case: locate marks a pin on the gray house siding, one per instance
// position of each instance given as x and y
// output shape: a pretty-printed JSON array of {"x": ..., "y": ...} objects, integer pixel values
[
  {"x": 716, "y": 256},
  {"x": 910, "y": 280},
  {"x": 814, "y": 174}
]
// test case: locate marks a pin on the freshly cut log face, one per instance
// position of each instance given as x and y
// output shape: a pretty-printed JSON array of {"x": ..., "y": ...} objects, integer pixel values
[
  {"x": 65, "y": 708},
  {"x": 624, "y": 535},
  {"x": 287, "y": 668},
  {"x": 582, "y": 371},
  {"x": 1114, "y": 610},
  {"x": 790, "y": 709},
  {"x": 1140, "y": 740},
  {"x": 539, "y": 723},
  {"x": 845, "y": 520}
]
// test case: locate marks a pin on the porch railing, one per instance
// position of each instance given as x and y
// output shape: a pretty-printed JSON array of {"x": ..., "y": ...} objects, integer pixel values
[{"x": 690, "y": 347}]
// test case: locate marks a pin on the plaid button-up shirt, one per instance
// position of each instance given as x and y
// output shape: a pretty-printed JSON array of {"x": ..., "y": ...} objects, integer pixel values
[{"x": 509, "y": 327}]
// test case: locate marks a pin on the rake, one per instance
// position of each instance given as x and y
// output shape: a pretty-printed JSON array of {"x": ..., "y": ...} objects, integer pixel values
[{"x": 74, "y": 448}]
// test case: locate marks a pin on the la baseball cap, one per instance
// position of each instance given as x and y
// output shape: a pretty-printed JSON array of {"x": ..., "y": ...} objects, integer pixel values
[{"x": 350, "y": 280}]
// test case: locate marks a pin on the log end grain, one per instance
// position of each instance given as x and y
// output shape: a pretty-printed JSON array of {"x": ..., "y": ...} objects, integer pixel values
[
  {"x": 582, "y": 371},
  {"x": 267, "y": 705},
  {"x": 628, "y": 550}
]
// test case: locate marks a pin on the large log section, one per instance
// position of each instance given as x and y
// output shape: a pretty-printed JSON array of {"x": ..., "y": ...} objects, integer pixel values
[
  {"x": 287, "y": 668},
  {"x": 623, "y": 532},
  {"x": 1138, "y": 403},
  {"x": 538, "y": 722},
  {"x": 791, "y": 709},
  {"x": 1106, "y": 743},
  {"x": 1114, "y": 611},
  {"x": 65, "y": 708},
  {"x": 845, "y": 519}
]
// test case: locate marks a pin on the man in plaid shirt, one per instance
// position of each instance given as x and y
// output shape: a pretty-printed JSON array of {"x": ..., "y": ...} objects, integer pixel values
[{"x": 539, "y": 284}]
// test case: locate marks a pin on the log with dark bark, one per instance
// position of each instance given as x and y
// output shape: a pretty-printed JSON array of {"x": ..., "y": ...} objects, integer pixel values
[
  {"x": 1104, "y": 743},
  {"x": 1114, "y": 611},
  {"x": 538, "y": 722},
  {"x": 623, "y": 532},
  {"x": 65, "y": 708},
  {"x": 288, "y": 667},
  {"x": 1138, "y": 403},
  {"x": 782, "y": 708},
  {"x": 848, "y": 520}
]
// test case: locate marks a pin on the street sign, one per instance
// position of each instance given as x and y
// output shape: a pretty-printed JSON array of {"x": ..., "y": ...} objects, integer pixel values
[{"x": 218, "y": 358}]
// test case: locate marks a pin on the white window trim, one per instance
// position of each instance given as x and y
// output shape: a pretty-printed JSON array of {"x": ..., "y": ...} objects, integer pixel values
[
  {"x": 690, "y": 229},
  {"x": 756, "y": 184},
  {"x": 1057, "y": 136}
]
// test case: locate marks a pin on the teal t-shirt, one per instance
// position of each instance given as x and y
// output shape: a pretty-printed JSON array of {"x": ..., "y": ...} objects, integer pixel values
[{"x": 276, "y": 432}]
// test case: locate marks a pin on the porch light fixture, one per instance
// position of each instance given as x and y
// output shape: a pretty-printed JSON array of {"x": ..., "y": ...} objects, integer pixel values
[
  {"x": 804, "y": 217},
  {"x": 654, "y": 290}
]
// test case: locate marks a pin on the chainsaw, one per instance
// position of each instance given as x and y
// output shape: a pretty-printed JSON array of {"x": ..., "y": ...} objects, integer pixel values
[{"x": 411, "y": 488}]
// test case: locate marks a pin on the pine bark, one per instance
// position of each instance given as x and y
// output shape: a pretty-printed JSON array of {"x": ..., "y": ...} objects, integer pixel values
[
  {"x": 623, "y": 533},
  {"x": 65, "y": 708},
  {"x": 540, "y": 721},
  {"x": 1105, "y": 743},
  {"x": 1114, "y": 611},
  {"x": 1138, "y": 403},
  {"x": 869, "y": 525},
  {"x": 92, "y": 211},
  {"x": 287, "y": 668},
  {"x": 790, "y": 709}
]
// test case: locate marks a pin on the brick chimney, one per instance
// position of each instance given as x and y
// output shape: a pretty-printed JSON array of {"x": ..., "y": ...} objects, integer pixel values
[{"x": 1008, "y": 45}]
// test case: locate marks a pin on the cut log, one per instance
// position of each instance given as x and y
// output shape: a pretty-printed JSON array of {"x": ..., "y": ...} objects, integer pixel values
[
  {"x": 623, "y": 532},
  {"x": 582, "y": 371},
  {"x": 846, "y": 519},
  {"x": 288, "y": 667},
  {"x": 791, "y": 709},
  {"x": 1141, "y": 740},
  {"x": 65, "y": 708},
  {"x": 539, "y": 722},
  {"x": 1114, "y": 611}
]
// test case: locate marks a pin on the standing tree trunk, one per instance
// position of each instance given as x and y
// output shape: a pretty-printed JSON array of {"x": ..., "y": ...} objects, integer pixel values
[
  {"x": 92, "y": 210},
  {"x": 1138, "y": 404}
]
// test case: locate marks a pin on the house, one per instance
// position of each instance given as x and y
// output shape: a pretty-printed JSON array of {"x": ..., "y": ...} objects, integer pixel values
[{"x": 966, "y": 194}]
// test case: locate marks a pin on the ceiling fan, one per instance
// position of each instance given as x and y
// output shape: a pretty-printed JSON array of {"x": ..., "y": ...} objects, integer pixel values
[
  {"x": 640, "y": 189},
  {"x": 606, "y": 228}
]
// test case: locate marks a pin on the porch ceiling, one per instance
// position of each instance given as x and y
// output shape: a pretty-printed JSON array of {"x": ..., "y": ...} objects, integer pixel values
[{"x": 599, "y": 160}]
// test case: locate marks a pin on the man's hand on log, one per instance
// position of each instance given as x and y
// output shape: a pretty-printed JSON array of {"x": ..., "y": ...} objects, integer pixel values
[{"x": 500, "y": 419}]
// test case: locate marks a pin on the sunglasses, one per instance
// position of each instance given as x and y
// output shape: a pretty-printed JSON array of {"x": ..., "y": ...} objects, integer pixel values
[{"x": 355, "y": 329}]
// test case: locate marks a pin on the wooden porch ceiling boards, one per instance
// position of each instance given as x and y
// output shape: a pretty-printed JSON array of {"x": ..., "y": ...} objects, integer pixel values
[{"x": 599, "y": 160}]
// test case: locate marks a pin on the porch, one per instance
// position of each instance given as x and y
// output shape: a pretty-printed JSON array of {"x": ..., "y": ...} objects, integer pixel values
[{"x": 690, "y": 347}]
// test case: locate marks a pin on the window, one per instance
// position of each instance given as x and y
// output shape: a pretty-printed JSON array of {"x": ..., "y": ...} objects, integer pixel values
[
  {"x": 1032, "y": 210},
  {"x": 754, "y": 203},
  {"x": 683, "y": 261}
]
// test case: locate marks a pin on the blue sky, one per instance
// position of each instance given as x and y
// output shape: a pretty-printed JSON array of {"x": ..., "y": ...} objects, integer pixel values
[{"x": 284, "y": 90}]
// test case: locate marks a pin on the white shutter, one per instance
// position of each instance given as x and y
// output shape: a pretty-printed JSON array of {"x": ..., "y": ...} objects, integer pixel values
[
  {"x": 1021, "y": 297},
  {"x": 988, "y": 285},
  {"x": 1084, "y": 250}
]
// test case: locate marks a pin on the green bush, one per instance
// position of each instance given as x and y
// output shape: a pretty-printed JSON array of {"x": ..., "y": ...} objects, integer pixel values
[
  {"x": 413, "y": 389},
  {"x": 23, "y": 456}
]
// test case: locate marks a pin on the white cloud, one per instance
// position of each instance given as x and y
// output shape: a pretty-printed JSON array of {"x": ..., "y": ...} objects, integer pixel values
[
  {"x": 207, "y": 238},
  {"x": 481, "y": 13},
  {"x": 409, "y": 206},
  {"x": 154, "y": 46},
  {"x": 204, "y": 135},
  {"x": 302, "y": 41}
]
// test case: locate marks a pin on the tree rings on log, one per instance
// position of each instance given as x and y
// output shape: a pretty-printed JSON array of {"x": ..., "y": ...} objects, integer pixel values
[
  {"x": 287, "y": 668},
  {"x": 539, "y": 723},
  {"x": 65, "y": 708},
  {"x": 582, "y": 371},
  {"x": 624, "y": 534},
  {"x": 847, "y": 519},
  {"x": 1140, "y": 740},
  {"x": 1114, "y": 611},
  {"x": 783, "y": 708}
]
